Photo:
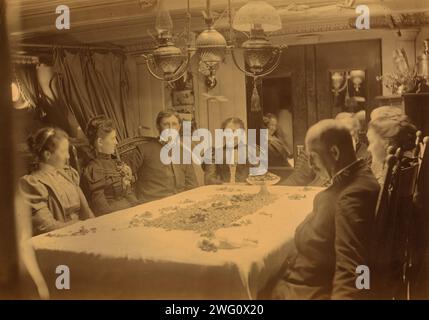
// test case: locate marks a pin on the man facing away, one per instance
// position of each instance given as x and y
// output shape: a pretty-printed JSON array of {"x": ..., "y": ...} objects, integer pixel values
[
  {"x": 334, "y": 239},
  {"x": 304, "y": 175}
]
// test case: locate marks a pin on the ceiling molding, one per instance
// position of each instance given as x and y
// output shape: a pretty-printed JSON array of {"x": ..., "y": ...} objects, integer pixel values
[
  {"x": 395, "y": 21},
  {"x": 125, "y": 23}
]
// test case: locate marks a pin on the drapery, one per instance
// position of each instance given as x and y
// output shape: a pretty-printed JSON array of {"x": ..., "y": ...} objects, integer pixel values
[{"x": 93, "y": 84}]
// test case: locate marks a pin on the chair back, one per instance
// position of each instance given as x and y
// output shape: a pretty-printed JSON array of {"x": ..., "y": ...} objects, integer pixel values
[
  {"x": 393, "y": 228},
  {"x": 128, "y": 146},
  {"x": 420, "y": 276}
]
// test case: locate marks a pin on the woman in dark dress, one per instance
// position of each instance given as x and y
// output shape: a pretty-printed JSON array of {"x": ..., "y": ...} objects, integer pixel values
[{"x": 105, "y": 180}]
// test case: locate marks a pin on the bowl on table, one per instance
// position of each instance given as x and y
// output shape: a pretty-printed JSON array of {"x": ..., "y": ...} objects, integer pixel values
[{"x": 267, "y": 179}]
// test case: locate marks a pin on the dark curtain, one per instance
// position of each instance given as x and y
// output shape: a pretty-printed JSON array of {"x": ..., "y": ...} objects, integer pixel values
[{"x": 92, "y": 84}]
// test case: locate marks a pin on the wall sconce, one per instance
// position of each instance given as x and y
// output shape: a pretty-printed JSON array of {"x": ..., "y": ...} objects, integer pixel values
[
  {"x": 340, "y": 80},
  {"x": 349, "y": 89},
  {"x": 337, "y": 82},
  {"x": 357, "y": 77}
]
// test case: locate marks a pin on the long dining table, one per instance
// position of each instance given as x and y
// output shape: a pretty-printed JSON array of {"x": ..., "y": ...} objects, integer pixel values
[{"x": 130, "y": 254}]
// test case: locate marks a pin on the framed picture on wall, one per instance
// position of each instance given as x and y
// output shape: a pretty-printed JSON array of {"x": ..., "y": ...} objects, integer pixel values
[{"x": 183, "y": 97}]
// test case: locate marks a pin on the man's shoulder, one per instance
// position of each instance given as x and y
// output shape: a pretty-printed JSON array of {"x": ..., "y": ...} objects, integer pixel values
[
  {"x": 362, "y": 182},
  {"x": 149, "y": 144},
  {"x": 364, "y": 179},
  {"x": 363, "y": 187},
  {"x": 150, "y": 141}
]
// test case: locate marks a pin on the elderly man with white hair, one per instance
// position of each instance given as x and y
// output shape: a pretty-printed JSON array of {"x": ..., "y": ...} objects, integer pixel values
[
  {"x": 386, "y": 112},
  {"x": 303, "y": 174},
  {"x": 334, "y": 239}
]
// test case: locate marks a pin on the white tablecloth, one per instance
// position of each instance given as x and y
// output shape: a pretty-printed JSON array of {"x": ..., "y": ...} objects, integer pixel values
[{"x": 113, "y": 261}]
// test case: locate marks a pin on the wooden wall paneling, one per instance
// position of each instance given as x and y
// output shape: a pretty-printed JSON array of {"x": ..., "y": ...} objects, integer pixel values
[
  {"x": 310, "y": 84},
  {"x": 231, "y": 84},
  {"x": 365, "y": 54},
  {"x": 150, "y": 97},
  {"x": 299, "y": 94}
]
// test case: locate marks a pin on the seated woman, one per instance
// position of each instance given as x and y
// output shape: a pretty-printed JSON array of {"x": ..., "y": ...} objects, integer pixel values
[
  {"x": 383, "y": 132},
  {"x": 278, "y": 152},
  {"x": 105, "y": 180},
  {"x": 227, "y": 172},
  {"x": 52, "y": 189}
]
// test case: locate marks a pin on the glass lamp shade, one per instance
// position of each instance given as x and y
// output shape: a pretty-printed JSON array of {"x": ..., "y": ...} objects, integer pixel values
[
  {"x": 168, "y": 58},
  {"x": 163, "y": 22},
  {"x": 257, "y": 53},
  {"x": 257, "y": 13},
  {"x": 211, "y": 46}
]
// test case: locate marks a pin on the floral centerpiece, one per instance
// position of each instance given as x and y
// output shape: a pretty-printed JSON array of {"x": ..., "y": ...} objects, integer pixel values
[{"x": 404, "y": 79}]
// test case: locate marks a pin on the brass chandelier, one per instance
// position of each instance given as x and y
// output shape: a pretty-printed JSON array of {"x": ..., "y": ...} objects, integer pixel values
[{"x": 261, "y": 57}]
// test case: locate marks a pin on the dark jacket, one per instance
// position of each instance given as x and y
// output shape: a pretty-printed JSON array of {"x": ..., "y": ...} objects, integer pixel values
[
  {"x": 156, "y": 180},
  {"x": 278, "y": 153},
  {"x": 107, "y": 185},
  {"x": 303, "y": 174},
  {"x": 221, "y": 173},
  {"x": 333, "y": 240}
]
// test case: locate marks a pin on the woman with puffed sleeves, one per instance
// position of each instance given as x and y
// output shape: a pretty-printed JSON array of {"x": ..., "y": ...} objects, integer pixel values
[{"x": 52, "y": 189}]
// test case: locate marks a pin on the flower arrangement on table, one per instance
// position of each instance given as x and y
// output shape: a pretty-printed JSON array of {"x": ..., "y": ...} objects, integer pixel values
[{"x": 404, "y": 79}]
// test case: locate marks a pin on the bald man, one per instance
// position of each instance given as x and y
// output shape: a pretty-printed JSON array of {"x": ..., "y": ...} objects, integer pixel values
[
  {"x": 334, "y": 238},
  {"x": 304, "y": 175},
  {"x": 352, "y": 123}
]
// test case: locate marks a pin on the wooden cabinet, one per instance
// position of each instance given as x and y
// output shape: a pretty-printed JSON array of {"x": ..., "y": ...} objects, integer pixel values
[{"x": 417, "y": 108}]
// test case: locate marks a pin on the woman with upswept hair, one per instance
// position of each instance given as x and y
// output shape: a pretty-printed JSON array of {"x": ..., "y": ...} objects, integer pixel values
[
  {"x": 106, "y": 181},
  {"x": 52, "y": 189},
  {"x": 392, "y": 131}
]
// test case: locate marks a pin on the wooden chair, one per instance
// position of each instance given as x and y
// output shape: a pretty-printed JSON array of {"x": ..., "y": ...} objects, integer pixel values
[
  {"x": 393, "y": 242},
  {"x": 127, "y": 150},
  {"x": 129, "y": 146},
  {"x": 420, "y": 279},
  {"x": 74, "y": 159}
]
